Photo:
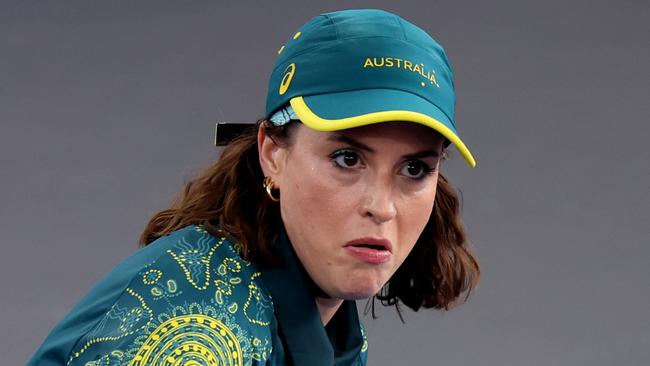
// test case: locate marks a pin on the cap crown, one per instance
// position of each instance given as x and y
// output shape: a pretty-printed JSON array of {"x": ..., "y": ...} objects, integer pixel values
[{"x": 361, "y": 49}]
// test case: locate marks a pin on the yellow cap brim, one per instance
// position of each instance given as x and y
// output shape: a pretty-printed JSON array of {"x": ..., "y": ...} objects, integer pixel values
[{"x": 312, "y": 120}]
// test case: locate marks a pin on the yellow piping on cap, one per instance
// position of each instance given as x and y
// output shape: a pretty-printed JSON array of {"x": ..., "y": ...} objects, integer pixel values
[{"x": 320, "y": 124}]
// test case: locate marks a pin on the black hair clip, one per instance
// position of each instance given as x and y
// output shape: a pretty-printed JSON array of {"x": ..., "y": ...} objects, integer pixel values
[{"x": 225, "y": 132}]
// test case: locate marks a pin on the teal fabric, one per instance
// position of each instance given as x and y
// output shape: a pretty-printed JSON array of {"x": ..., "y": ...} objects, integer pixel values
[
  {"x": 189, "y": 297},
  {"x": 305, "y": 338}
]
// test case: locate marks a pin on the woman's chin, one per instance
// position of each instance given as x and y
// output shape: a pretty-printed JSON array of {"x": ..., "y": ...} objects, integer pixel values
[{"x": 360, "y": 290}]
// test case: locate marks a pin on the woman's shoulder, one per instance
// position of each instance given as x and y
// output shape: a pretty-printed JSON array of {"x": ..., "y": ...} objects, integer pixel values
[
  {"x": 185, "y": 290},
  {"x": 197, "y": 258}
]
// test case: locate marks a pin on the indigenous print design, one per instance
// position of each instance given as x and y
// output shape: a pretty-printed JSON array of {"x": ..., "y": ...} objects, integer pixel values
[
  {"x": 199, "y": 303},
  {"x": 190, "y": 339},
  {"x": 195, "y": 260}
]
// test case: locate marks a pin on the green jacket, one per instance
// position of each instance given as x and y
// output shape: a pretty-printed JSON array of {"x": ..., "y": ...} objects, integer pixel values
[{"x": 189, "y": 299}]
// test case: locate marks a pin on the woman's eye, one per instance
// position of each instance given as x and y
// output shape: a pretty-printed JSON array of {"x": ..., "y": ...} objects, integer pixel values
[
  {"x": 416, "y": 169},
  {"x": 346, "y": 159}
]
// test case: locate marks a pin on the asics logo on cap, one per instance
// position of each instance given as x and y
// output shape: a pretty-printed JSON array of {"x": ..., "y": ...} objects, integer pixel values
[{"x": 286, "y": 79}]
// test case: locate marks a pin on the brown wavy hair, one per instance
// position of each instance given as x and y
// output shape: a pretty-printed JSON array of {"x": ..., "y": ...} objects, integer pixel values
[{"x": 227, "y": 199}]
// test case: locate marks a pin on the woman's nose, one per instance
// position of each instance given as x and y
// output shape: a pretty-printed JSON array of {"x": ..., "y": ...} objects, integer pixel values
[{"x": 378, "y": 202}]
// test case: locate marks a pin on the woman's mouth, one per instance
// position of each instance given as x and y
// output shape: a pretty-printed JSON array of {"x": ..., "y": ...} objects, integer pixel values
[{"x": 370, "y": 250}]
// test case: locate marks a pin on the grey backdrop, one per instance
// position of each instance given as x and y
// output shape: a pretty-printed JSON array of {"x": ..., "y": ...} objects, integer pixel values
[{"x": 107, "y": 107}]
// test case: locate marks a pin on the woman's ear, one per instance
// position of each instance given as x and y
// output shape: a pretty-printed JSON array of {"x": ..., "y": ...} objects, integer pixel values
[{"x": 271, "y": 154}]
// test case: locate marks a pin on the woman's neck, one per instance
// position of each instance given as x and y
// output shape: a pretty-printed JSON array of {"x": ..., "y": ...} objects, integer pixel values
[{"x": 327, "y": 307}]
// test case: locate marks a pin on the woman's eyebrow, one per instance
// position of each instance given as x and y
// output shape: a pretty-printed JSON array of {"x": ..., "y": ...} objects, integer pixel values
[
  {"x": 422, "y": 154},
  {"x": 360, "y": 145},
  {"x": 350, "y": 141}
]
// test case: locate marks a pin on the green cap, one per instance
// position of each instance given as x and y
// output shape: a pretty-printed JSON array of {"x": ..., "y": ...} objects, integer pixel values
[{"x": 358, "y": 67}]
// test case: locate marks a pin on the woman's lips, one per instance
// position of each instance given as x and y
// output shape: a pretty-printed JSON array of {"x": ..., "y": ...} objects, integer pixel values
[{"x": 370, "y": 250}]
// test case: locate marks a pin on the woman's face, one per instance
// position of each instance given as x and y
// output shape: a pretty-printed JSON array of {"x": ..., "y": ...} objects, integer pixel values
[{"x": 354, "y": 202}]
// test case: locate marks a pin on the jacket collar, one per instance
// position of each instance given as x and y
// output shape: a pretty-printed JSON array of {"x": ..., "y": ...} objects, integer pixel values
[{"x": 306, "y": 341}]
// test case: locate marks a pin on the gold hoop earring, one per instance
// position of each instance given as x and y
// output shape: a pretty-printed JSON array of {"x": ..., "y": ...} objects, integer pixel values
[{"x": 269, "y": 184}]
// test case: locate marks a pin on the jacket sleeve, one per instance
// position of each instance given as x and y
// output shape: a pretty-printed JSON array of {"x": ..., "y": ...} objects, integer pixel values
[{"x": 184, "y": 307}]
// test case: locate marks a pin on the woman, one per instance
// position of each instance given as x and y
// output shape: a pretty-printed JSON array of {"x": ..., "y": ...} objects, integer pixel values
[{"x": 335, "y": 196}]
